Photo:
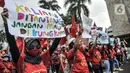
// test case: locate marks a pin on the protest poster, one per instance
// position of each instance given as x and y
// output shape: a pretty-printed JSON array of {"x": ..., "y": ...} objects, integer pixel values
[
  {"x": 103, "y": 38},
  {"x": 86, "y": 21},
  {"x": 111, "y": 41},
  {"x": 94, "y": 34},
  {"x": 86, "y": 34},
  {"x": 27, "y": 21}
]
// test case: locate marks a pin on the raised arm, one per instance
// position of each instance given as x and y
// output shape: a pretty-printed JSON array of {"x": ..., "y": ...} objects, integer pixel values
[
  {"x": 54, "y": 45},
  {"x": 11, "y": 39}
]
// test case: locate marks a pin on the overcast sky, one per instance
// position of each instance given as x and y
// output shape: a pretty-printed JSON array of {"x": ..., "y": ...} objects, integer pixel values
[{"x": 98, "y": 11}]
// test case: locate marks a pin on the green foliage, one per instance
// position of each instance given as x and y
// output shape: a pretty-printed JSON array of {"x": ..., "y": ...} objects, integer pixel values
[
  {"x": 51, "y": 5},
  {"x": 75, "y": 8}
]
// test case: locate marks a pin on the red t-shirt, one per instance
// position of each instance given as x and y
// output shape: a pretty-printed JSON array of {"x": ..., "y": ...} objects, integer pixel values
[
  {"x": 34, "y": 68},
  {"x": 79, "y": 62},
  {"x": 7, "y": 67},
  {"x": 112, "y": 53},
  {"x": 95, "y": 56},
  {"x": 104, "y": 55}
]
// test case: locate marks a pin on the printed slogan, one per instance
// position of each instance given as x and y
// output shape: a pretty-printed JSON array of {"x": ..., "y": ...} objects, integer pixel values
[{"x": 33, "y": 22}]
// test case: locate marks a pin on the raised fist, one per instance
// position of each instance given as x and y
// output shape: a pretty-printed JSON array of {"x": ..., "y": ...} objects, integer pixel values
[{"x": 5, "y": 12}]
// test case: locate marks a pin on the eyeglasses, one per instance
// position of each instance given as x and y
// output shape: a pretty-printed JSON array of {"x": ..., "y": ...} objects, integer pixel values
[
  {"x": 34, "y": 45},
  {"x": 31, "y": 47}
]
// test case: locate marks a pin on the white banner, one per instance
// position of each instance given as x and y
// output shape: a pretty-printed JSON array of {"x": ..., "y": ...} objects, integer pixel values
[{"x": 33, "y": 21}]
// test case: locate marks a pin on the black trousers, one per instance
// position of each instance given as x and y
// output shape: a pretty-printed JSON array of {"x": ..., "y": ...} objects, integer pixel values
[
  {"x": 125, "y": 56},
  {"x": 120, "y": 59},
  {"x": 90, "y": 68},
  {"x": 97, "y": 68},
  {"x": 57, "y": 67}
]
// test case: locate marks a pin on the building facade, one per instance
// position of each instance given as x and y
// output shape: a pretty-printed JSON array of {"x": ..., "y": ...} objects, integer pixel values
[{"x": 120, "y": 23}]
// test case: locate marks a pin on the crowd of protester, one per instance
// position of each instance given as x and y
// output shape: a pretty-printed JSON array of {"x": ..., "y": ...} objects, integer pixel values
[
  {"x": 34, "y": 55},
  {"x": 97, "y": 59}
]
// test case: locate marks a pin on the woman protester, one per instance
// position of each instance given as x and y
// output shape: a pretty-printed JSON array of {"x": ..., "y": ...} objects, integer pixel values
[
  {"x": 96, "y": 59},
  {"x": 105, "y": 57},
  {"x": 76, "y": 56},
  {"x": 34, "y": 60},
  {"x": 111, "y": 58}
]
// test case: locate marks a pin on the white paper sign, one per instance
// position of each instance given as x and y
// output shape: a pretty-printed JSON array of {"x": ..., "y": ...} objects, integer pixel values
[
  {"x": 86, "y": 21},
  {"x": 33, "y": 21},
  {"x": 111, "y": 41},
  {"x": 93, "y": 35},
  {"x": 103, "y": 38}
]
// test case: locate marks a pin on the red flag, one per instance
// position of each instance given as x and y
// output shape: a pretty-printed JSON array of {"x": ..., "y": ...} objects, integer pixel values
[
  {"x": 74, "y": 29},
  {"x": 94, "y": 26},
  {"x": 2, "y": 3}
]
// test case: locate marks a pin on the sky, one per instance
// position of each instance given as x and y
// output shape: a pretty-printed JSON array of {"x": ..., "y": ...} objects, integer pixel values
[{"x": 98, "y": 11}]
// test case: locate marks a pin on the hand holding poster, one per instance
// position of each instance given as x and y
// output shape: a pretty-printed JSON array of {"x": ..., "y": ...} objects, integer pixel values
[{"x": 33, "y": 22}]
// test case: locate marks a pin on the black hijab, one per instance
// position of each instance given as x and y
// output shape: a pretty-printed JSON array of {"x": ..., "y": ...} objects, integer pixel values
[{"x": 28, "y": 57}]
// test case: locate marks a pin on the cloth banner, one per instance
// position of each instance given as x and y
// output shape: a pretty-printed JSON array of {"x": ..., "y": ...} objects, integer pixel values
[{"x": 27, "y": 21}]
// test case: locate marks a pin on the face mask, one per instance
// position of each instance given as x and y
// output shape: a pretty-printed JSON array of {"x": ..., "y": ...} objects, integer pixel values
[
  {"x": 33, "y": 52},
  {"x": 33, "y": 48}
]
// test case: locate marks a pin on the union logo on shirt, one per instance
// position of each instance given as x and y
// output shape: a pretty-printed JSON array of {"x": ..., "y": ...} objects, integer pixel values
[{"x": 40, "y": 71}]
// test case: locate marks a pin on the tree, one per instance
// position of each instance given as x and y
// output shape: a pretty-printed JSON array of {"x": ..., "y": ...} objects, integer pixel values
[
  {"x": 75, "y": 7},
  {"x": 66, "y": 18},
  {"x": 51, "y": 5}
]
